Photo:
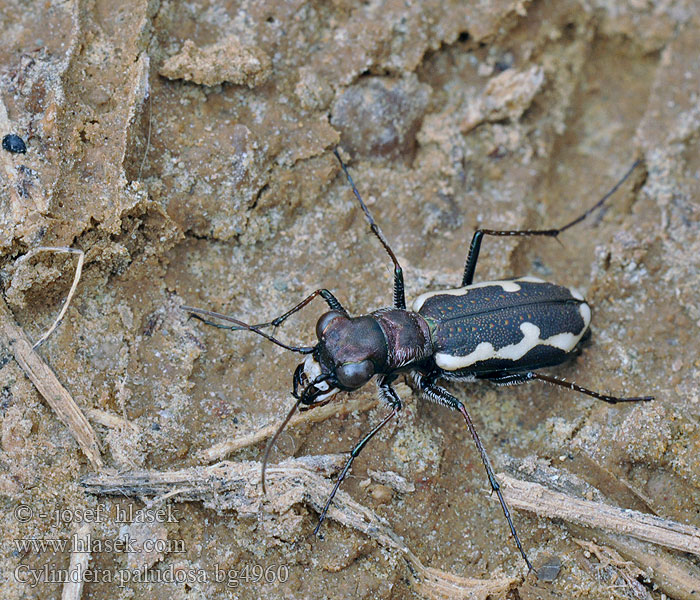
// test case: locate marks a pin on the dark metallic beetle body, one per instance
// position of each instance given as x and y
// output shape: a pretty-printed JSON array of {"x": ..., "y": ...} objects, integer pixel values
[
  {"x": 500, "y": 331},
  {"x": 482, "y": 331}
]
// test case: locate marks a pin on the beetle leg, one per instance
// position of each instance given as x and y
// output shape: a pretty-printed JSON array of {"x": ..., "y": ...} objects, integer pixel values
[
  {"x": 510, "y": 379},
  {"x": 240, "y": 325},
  {"x": 475, "y": 246},
  {"x": 386, "y": 393},
  {"x": 439, "y": 395},
  {"x": 515, "y": 378}
]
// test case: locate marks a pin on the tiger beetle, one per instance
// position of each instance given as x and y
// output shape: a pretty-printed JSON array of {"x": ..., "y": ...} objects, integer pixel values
[{"x": 499, "y": 331}]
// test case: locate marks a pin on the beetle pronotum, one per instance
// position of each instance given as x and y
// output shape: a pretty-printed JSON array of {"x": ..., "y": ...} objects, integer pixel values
[{"x": 499, "y": 331}]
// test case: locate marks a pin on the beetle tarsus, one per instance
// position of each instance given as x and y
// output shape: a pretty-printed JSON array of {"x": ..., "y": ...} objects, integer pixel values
[
  {"x": 577, "y": 388},
  {"x": 399, "y": 295},
  {"x": 197, "y": 312}
]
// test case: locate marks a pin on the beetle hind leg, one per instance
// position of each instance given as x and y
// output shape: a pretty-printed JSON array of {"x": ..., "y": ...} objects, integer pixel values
[
  {"x": 510, "y": 379},
  {"x": 475, "y": 245},
  {"x": 439, "y": 395},
  {"x": 531, "y": 375},
  {"x": 518, "y": 378}
]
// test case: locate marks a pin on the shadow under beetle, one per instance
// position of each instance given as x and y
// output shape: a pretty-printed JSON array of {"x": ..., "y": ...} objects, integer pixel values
[{"x": 499, "y": 331}]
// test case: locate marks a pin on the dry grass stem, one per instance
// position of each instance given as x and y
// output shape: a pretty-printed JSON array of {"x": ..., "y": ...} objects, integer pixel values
[
  {"x": 624, "y": 575},
  {"x": 74, "y": 285},
  {"x": 48, "y": 385},
  {"x": 73, "y": 588},
  {"x": 110, "y": 420},
  {"x": 223, "y": 449},
  {"x": 677, "y": 576}
]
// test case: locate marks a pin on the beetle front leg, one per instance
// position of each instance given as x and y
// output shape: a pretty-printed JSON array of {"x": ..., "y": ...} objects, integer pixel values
[
  {"x": 439, "y": 395},
  {"x": 387, "y": 394},
  {"x": 200, "y": 313}
]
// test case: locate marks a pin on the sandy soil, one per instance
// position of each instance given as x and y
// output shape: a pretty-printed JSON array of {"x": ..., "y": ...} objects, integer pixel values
[{"x": 186, "y": 149}]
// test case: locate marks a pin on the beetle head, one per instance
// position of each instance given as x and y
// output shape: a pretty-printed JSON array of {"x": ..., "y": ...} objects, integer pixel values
[{"x": 349, "y": 352}]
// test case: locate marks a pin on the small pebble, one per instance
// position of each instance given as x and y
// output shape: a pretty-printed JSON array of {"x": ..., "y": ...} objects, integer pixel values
[
  {"x": 381, "y": 493},
  {"x": 13, "y": 143},
  {"x": 549, "y": 570}
]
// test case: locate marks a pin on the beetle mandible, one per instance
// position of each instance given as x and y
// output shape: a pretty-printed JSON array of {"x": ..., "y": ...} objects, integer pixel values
[{"x": 499, "y": 331}]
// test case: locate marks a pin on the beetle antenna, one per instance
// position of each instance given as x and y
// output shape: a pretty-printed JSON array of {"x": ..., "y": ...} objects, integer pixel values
[
  {"x": 399, "y": 297},
  {"x": 372, "y": 223},
  {"x": 196, "y": 312},
  {"x": 273, "y": 441},
  {"x": 306, "y": 397}
]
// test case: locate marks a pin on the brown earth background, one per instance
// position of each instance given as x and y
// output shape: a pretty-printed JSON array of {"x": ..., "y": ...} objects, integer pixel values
[{"x": 186, "y": 149}]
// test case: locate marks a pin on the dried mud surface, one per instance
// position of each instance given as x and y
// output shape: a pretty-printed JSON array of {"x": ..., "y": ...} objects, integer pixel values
[{"x": 506, "y": 114}]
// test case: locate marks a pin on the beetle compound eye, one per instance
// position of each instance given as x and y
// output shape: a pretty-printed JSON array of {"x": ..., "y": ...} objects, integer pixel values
[
  {"x": 325, "y": 320},
  {"x": 354, "y": 375}
]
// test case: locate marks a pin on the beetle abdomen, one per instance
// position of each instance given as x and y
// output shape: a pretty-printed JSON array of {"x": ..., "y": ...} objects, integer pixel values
[{"x": 508, "y": 325}]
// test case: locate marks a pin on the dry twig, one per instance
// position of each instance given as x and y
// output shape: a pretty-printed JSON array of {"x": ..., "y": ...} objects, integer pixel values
[
  {"x": 536, "y": 498},
  {"x": 678, "y": 577},
  {"x": 236, "y": 486}
]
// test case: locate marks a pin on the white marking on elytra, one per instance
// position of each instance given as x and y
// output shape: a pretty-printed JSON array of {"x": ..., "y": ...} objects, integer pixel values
[
  {"x": 312, "y": 369},
  {"x": 530, "y": 279},
  {"x": 531, "y": 337},
  {"x": 585, "y": 311},
  {"x": 507, "y": 285},
  {"x": 576, "y": 294}
]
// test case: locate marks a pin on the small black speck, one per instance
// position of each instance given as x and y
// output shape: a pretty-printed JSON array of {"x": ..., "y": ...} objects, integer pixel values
[
  {"x": 501, "y": 66},
  {"x": 6, "y": 399},
  {"x": 13, "y": 143}
]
